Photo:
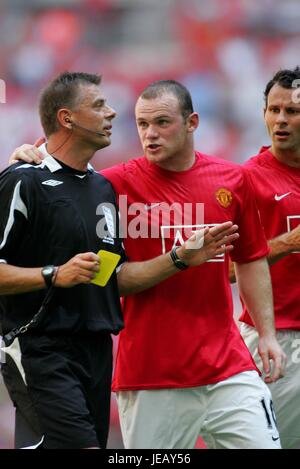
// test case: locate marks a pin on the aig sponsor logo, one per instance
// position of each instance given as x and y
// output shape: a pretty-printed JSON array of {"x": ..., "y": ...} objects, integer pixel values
[
  {"x": 2, "y": 92},
  {"x": 176, "y": 235}
]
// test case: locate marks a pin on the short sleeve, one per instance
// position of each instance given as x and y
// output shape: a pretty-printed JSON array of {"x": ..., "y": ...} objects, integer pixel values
[
  {"x": 13, "y": 213},
  {"x": 252, "y": 243}
]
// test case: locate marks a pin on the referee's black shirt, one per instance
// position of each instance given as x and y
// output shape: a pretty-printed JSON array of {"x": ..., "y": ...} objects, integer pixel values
[{"x": 48, "y": 214}]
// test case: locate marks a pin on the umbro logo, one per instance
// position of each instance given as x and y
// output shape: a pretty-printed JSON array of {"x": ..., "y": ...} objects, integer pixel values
[
  {"x": 279, "y": 197},
  {"x": 52, "y": 182}
]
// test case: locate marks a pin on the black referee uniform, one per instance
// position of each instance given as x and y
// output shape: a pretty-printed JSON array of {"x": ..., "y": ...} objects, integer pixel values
[{"x": 48, "y": 214}]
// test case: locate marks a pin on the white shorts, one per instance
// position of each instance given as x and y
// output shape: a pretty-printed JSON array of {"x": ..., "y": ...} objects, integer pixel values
[
  {"x": 234, "y": 413},
  {"x": 286, "y": 391}
]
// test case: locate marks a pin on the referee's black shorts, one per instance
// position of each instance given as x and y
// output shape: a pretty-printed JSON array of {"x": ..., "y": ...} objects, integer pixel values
[
  {"x": 69, "y": 382},
  {"x": 27, "y": 430}
]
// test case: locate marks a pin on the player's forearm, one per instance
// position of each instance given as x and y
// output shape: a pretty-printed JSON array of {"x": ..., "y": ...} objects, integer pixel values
[
  {"x": 231, "y": 272},
  {"x": 256, "y": 291},
  {"x": 135, "y": 277},
  {"x": 14, "y": 280},
  {"x": 279, "y": 248}
]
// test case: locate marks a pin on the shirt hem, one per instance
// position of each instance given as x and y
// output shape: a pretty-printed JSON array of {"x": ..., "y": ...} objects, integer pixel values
[
  {"x": 293, "y": 327},
  {"x": 145, "y": 387}
]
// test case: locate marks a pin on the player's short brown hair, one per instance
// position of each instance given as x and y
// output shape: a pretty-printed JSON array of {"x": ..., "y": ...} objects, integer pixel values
[
  {"x": 284, "y": 78},
  {"x": 160, "y": 87}
]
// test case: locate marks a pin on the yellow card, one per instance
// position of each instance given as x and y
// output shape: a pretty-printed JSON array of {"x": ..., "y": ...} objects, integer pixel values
[{"x": 109, "y": 261}]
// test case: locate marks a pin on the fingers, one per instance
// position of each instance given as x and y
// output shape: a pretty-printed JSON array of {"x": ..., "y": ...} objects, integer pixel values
[
  {"x": 86, "y": 278},
  {"x": 82, "y": 268},
  {"x": 89, "y": 265},
  {"x": 224, "y": 233},
  {"x": 223, "y": 249},
  {"x": 226, "y": 240},
  {"x": 272, "y": 376},
  {"x": 273, "y": 371},
  {"x": 225, "y": 245},
  {"x": 266, "y": 364},
  {"x": 19, "y": 154},
  {"x": 279, "y": 364},
  {"x": 27, "y": 153},
  {"x": 88, "y": 256},
  {"x": 39, "y": 141},
  {"x": 219, "y": 229},
  {"x": 220, "y": 234},
  {"x": 35, "y": 154},
  {"x": 31, "y": 155}
]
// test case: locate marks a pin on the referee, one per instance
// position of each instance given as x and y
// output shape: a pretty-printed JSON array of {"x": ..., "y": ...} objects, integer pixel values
[{"x": 48, "y": 216}]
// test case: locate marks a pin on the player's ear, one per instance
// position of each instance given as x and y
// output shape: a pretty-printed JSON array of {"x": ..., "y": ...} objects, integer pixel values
[{"x": 193, "y": 121}]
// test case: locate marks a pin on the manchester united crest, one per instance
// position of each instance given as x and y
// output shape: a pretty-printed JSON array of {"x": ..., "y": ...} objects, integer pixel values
[{"x": 224, "y": 197}]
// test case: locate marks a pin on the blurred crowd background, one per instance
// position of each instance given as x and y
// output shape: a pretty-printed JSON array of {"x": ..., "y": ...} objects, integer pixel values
[{"x": 224, "y": 51}]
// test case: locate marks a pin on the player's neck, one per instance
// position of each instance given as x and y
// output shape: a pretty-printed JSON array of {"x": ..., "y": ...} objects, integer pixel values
[
  {"x": 178, "y": 162},
  {"x": 288, "y": 157},
  {"x": 71, "y": 153}
]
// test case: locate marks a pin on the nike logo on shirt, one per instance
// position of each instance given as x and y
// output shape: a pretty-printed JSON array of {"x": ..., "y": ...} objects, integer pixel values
[
  {"x": 279, "y": 197},
  {"x": 149, "y": 207}
]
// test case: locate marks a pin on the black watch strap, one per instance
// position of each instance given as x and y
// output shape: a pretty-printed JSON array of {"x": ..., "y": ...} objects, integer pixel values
[
  {"x": 177, "y": 262},
  {"x": 48, "y": 272}
]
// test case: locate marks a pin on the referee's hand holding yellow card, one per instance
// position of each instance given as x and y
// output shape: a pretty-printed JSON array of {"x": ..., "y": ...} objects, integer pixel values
[{"x": 108, "y": 263}]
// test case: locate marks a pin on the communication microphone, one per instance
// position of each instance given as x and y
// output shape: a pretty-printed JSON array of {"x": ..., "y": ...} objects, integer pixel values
[{"x": 87, "y": 130}]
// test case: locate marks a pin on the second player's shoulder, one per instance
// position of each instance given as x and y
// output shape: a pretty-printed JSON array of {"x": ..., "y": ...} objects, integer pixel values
[
  {"x": 221, "y": 172},
  {"x": 262, "y": 160},
  {"x": 125, "y": 173},
  {"x": 216, "y": 164}
]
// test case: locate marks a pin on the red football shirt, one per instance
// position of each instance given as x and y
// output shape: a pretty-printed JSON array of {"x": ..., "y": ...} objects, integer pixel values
[
  {"x": 277, "y": 189},
  {"x": 181, "y": 333}
]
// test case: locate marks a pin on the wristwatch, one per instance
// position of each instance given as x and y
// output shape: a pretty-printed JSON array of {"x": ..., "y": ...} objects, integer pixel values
[
  {"x": 48, "y": 272},
  {"x": 177, "y": 262}
]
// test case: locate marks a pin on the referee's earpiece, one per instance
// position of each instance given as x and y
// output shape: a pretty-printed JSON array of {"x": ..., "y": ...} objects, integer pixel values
[{"x": 68, "y": 121}]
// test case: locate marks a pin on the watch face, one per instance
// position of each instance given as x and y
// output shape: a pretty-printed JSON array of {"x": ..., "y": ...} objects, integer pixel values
[{"x": 47, "y": 270}]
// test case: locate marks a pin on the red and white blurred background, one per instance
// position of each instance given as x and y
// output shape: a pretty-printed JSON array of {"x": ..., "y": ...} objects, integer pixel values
[{"x": 224, "y": 51}]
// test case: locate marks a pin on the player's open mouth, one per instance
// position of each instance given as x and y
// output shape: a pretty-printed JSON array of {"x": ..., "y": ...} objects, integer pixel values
[
  {"x": 153, "y": 146},
  {"x": 282, "y": 134}
]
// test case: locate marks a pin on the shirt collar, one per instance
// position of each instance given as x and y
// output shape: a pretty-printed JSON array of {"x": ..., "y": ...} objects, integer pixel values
[{"x": 52, "y": 164}]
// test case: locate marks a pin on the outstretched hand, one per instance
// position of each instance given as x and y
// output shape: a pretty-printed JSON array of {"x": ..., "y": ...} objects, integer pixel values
[{"x": 208, "y": 243}]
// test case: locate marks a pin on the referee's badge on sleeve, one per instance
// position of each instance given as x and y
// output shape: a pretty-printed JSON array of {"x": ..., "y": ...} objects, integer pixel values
[{"x": 109, "y": 220}]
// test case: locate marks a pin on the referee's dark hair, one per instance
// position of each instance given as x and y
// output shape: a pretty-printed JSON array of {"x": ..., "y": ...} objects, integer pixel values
[
  {"x": 160, "y": 87},
  {"x": 62, "y": 92},
  {"x": 283, "y": 78}
]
